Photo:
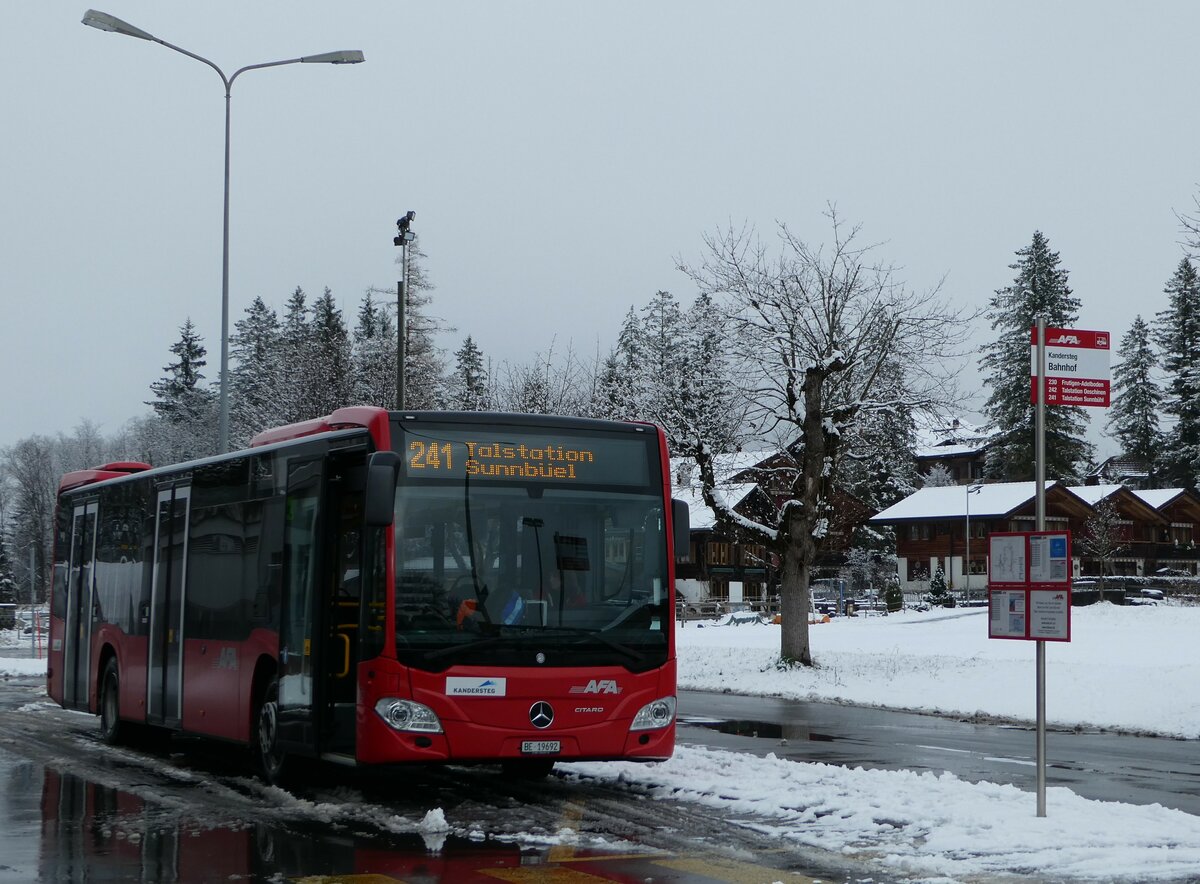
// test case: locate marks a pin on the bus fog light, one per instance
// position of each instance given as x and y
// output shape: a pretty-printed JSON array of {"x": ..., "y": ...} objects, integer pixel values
[
  {"x": 658, "y": 714},
  {"x": 405, "y": 715}
]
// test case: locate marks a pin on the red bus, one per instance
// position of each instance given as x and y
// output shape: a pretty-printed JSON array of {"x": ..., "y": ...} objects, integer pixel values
[{"x": 376, "y": 587}]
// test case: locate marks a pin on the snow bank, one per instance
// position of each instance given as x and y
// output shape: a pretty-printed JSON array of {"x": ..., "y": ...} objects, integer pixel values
[{"x": 1130, "y": 668}]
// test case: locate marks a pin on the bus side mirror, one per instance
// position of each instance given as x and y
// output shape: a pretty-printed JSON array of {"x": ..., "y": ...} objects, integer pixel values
[
  {"x": 379, "y": 505},
  {"x": 681, "y": 520}
]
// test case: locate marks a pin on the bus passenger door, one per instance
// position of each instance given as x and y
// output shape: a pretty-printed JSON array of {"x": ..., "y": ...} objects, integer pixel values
[
  {"x": 164, "y": 682},
  {"x": 345, "y": 483},
  {"x": 297, "y": 646},
  {"x": 78, "y": 630}
]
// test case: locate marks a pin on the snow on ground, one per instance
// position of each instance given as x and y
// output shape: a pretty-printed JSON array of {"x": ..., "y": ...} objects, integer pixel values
[
  {"x": 1133, "y": 668},
  {"x": 1130, "y": 668}
]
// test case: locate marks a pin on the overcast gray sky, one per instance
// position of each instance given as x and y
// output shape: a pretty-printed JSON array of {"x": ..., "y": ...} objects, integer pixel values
[{"x": 560, "y": 157}]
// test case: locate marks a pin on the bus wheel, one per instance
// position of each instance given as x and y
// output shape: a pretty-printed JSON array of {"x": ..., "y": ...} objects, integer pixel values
[
  {"x": 271, "y": 761},
  {"x": 110, "y": 704},
  {"x": 527, "y": 768}
]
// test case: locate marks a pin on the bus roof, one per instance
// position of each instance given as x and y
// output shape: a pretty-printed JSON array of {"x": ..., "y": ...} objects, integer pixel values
[
  {"x": 369, "y": 417},
  {"x": 98, "y": 474}
]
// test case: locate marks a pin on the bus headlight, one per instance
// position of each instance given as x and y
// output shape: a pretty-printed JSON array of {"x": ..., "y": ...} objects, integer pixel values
[
  {"x": 405, "y": 715},
  {"x": 658, "y": 714}
]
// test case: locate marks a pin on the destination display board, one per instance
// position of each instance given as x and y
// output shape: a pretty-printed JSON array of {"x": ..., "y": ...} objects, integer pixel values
[{"x": 514, "y": 455}]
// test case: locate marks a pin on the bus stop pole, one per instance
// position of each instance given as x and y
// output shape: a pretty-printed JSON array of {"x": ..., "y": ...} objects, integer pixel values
[{"x": 1040, "y": 460}]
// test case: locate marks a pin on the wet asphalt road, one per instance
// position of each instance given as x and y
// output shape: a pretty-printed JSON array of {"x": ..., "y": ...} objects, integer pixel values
[
  {"x": 1102, "y": 766},
  {"x": 73, "y": 810}
]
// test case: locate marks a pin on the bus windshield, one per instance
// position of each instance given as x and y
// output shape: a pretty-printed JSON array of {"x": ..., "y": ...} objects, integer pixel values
[{"x": 507, "y": 573}]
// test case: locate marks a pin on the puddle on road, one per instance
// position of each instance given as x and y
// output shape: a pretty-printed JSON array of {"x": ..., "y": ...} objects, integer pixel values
[
  {"x": 765, "y": 729},
  {"x": 62, "y": 828}
]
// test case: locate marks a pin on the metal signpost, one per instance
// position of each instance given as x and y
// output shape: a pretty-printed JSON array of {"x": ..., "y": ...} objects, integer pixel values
[{"x": 1029, "y": 573}]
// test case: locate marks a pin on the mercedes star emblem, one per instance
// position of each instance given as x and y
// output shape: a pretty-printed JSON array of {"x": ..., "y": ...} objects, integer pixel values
[{"x": 541, "y": 714}]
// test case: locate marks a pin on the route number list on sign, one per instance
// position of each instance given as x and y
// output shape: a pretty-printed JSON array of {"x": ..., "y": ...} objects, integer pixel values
[{"x": 1077, "y": 367}]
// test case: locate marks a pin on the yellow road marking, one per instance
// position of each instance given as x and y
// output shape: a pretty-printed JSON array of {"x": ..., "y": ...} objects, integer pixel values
[
  {"x": 347, "y": 879},
  {"x": 543, "y": 875},
  {"x": 572, "y": 814},
  {"x": 733, "y": 872}
]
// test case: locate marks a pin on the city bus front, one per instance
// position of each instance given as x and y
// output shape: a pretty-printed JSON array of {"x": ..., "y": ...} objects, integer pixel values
[{"x": 531, "y": 579}]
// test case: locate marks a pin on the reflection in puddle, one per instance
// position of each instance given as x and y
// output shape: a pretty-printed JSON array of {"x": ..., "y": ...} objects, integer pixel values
[
  {"x": 95, "y": 833},
  {"x": 765, "y": 729}
]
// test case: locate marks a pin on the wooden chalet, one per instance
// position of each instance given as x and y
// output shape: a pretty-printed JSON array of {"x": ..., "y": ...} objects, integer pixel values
[
  {"x": 947, "y": 527},
  {"x": 727, "y": 568}
]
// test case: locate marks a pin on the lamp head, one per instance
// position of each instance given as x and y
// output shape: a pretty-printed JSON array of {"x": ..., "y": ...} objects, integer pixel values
[
  {"x": 345, "y": 56},
  {"x": 105, "y": 22}
]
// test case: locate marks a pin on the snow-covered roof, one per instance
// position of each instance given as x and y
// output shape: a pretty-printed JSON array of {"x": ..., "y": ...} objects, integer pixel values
[
  {"x": 1093, "y": 494},
  {"x": 949, "y": 449},
  {"x": 701, "y": 516},
  {"x": 1159, "y": 497},
  {"x": 958, "y": 438},
  {"x": 949, "y": 501},
  {"x": 725, "y": 465}
]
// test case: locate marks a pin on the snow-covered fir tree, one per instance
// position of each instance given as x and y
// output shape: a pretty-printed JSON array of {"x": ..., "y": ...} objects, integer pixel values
[
  {"x": 708, "y": 405},
  {"x": 1133, "y": 417},
  {"x": 256, "y": 374},
  {"x": 660, "y": 372},
  {"x": 374, "y": 355},
  {"x": 1178, "y": 329},
  {"x": 297, "y": 345},
  {"x": 939, "y": 592},
  {"x": 186, "y": 409},
  {"x": 469, "y": 387},
  {"x": 607, "y": 399},
  {"x": 329, "y": 367},
  {"x": 619, "y": 389},
  {"x": 1038, "y": 289},
  {"x": 425, "y": 370}
]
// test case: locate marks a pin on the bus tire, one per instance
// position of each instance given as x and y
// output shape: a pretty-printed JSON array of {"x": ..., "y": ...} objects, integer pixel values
[
  {"x": 272, "y": 763},
  {"x": 112, "y": 731}
]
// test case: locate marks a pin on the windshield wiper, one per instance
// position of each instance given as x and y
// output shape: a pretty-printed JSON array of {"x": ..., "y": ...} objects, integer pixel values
[
  {"x": 511, "y": 633},
  {"x": 503, "y": 634},
  {"x": 598, "y": 635}
]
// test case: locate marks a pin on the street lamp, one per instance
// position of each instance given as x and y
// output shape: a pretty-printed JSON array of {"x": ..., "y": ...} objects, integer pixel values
[
  {"x": 105, "y": 22},
  {"x": 971, "y": 489},
  {"x": 403, "y": 237},
  {"x": 33, "y": 624}
]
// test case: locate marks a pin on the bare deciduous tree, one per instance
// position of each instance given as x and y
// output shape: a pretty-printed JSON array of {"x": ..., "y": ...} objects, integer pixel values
[
  {"x": 1101, "y": 537},
  {"x": 816, "y": 330}
]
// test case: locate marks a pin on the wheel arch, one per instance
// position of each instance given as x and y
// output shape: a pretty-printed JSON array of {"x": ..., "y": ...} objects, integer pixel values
[
  {"x": 108, "y": 652},
  {"x": 265, "y": 669}
]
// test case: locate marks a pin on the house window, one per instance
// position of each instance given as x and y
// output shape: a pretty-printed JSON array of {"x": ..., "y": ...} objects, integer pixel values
[{"x": 718, "y": 553}]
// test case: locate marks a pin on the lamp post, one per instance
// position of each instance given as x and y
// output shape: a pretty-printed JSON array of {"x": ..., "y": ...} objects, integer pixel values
[
  {"x": 971, "y": 489},
  {"x": 105, "y": 22},
  {"x": 403, "y": 237},
  {"x": 33, "y": 624}
]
